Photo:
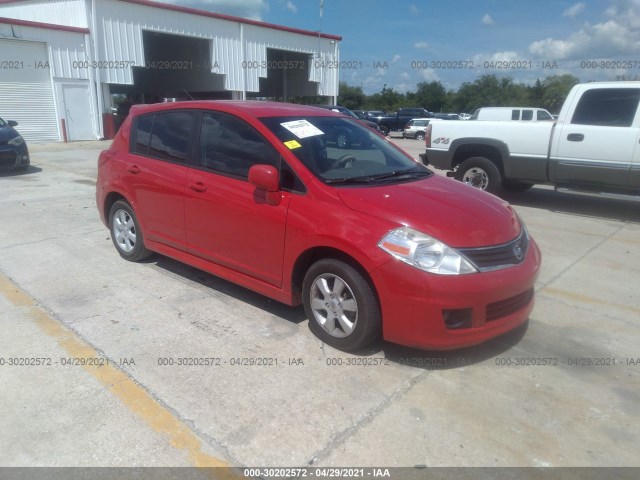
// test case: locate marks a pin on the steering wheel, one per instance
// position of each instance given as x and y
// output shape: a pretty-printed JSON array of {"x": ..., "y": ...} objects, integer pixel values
[{"x": 342, "y": 161}]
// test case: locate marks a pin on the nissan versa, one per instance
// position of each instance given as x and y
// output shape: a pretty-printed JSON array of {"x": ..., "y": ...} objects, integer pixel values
[{"x": 370, "y": 241}]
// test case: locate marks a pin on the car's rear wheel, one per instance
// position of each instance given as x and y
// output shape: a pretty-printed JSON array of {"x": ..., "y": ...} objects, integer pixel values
[
  {"x": 481, "y": 173},
  {"x": 126, "y": 233},
  {"x": 384, "y": 130},
  {"x": 420, "y": 136},
  {"x": 341, "y": 306}
]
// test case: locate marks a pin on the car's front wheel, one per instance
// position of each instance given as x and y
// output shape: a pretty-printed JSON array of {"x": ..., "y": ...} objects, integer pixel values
[
  {"x": 126, "y": 233},
  {"x": 341, "y": 306}
]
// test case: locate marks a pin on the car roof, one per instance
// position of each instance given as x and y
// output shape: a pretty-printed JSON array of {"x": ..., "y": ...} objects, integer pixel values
[{"x": 252, "y": 108}]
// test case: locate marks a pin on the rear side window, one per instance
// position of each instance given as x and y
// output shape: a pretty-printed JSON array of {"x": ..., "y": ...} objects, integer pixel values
[
  {"x": 515, "y": 114},
  {"x": 527, "y": 115},
  {"x": 232, "y": 146},
  {"x": 609, "y": 107},
  {"x": 542, "y": 115},
  {"x": 165, "y": 136}
]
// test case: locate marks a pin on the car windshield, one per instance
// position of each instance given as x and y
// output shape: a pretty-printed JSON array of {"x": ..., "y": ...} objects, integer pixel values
[{"x": 341, "y": 151}]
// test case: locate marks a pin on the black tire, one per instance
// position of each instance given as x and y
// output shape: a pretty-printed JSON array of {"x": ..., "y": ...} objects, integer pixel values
[
  {"x": 420, "y": 136},
  {"x": 356, "y": 294},
  {"x": 481, "y": 173},
  {"x": 22, "y": 168},
  {"x": 343, "y": 139},
  {"x": 126, "y": 233},
  {"x": 515, "y": 186},
  {"x": 384, "y": 130}
]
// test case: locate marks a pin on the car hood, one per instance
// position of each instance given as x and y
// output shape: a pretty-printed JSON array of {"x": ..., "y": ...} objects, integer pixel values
[
  {"x": 7, "y": 133},
  {"x": 454, "y": 213}
]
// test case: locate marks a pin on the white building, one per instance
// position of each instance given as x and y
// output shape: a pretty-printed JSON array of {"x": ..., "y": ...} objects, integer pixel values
[{"x": 61, "y": 61}]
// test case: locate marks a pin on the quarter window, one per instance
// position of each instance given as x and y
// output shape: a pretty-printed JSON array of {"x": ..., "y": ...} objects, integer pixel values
[
  {"x": 143, "y": 134},
  {"x": 612, "y": 107}
]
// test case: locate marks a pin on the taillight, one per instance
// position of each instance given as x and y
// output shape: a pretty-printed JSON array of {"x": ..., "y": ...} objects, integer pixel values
[{"x": 427, "y": 136}]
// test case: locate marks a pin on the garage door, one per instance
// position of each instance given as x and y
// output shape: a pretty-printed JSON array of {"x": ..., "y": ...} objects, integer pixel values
[{"x": 26, "y": 95}]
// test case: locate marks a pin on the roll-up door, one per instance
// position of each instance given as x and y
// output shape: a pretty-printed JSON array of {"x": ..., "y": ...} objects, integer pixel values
[{"x": 26, "y": 93}]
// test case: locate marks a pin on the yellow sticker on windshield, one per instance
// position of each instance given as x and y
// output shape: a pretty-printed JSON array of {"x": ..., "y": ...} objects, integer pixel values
[{"x": 292, "y": 144}]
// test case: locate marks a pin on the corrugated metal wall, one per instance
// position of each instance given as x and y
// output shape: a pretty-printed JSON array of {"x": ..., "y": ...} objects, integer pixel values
[
  {"x": 59, "y": 12},
  {"x": 120, "y": 39}
]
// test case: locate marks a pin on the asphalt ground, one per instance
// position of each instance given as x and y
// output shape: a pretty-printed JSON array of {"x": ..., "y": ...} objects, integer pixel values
[{"x": 86, "y": 342}]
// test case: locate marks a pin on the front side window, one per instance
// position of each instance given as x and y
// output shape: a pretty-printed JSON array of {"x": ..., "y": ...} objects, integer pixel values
[
  {"x": 341, "y": 151},
  {"x": 608, "y": 107},
  {"x": 231, "y": 146}
]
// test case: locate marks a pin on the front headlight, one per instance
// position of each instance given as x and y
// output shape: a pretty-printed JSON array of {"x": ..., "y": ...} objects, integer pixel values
[
  {"x": 17, "y": 141},
  {"x": 424, "y": 252}
]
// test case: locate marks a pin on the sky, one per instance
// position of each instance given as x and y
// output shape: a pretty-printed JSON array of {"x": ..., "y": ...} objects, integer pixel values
[{"x": 398, "y": 43}]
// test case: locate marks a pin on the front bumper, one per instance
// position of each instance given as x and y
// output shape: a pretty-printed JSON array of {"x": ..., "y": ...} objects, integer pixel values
[
  {"x": 438, "y": 158},
  {"x": 414, "y": 303},
  {"x": 14, "y": 157}
]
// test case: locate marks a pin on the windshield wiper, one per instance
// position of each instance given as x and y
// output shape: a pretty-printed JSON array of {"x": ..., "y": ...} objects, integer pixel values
[
  {"x": 400, "y": 174},
  {"x": 347, "y": 180}
]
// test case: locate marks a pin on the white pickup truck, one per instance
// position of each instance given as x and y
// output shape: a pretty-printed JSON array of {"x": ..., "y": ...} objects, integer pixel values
[{"x": 592, "y": 147}]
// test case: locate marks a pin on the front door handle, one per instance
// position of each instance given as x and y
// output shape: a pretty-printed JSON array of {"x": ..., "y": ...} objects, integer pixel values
[
  {"x": 133, "y": 168},
  {"x": 198, "y": 187},
  {"x": 575, "y": 137}
]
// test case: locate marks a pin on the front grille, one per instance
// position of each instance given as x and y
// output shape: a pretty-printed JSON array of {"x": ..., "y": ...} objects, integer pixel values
[
  {"x": 8, "y": 159},
  {"x": 499, "y": 256},
  {"x": 506, "y": 307}
]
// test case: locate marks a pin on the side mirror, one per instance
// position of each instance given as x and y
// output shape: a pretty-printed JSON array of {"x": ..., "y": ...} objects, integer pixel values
[
  {"x": 265, "y": 177},
  {"x": 12, "y": 123},
  {"x": 267, "y": 182}
]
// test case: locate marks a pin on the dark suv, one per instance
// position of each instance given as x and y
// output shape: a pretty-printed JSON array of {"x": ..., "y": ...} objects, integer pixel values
[{"x": 13, "y": 149}]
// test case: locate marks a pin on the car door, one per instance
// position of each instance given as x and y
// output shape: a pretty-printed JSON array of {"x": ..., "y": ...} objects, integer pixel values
[
  {"x": 597, "y": 145},
  {"x": 227, "y": 220},
  {"x": 156, "y": 171}
]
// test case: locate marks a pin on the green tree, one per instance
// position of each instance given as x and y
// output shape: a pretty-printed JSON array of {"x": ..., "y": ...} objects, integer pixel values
[
  {"x": 556, "y": 89},
  {"x": 431, "y": 95},
  {"x": 388, "y": 100},
  {"x": 350, "y": 97}
]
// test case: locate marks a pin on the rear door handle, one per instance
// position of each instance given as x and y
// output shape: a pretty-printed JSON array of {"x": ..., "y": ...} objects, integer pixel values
[
  {"x": 575, "y": 137},
  {"x": 133, "y": 168},
  {"x": 198, "y": 187}
]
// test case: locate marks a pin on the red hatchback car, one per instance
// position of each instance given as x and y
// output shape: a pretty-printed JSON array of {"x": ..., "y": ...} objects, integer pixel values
[{"x": 370, "y": 241}]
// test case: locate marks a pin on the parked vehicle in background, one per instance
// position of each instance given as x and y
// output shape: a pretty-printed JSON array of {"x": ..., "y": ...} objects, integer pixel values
[
  {"x": 415, "y": 128},
  {"x": 464, "y": 116},
  {"x": 446, "y": 116},
  {"x": 345, "y": 137},
  {"x": 511, "y": 113},
  {"x": 374, "y": 114},
  {"x": 397, "y": 121},
  {"x": 364, "y": 239},
  {"x": 14, "y": 153},
  {"x": 592, "y": 147}
]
